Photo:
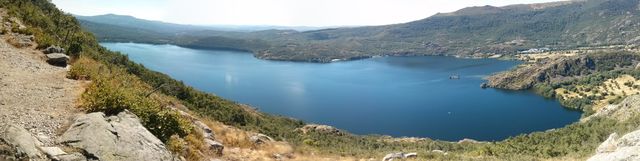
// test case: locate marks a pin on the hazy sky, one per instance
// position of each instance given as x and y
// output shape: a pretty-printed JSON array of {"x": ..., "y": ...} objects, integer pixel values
[{"x": 277, "y": 12}]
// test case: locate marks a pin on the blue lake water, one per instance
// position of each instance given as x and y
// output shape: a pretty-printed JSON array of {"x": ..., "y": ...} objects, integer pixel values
[{"x": 397, "y": 96}]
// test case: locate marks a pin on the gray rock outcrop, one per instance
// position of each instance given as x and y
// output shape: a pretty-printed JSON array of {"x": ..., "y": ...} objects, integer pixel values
[
  {"x": 325, "y": 129},
  {"x": 206, "y": 131},
  {"x": 120, "y": 138},
  {"x": 19, "y": 143},
  {"x": 469, "y": 141},
  {"x": 617, "y": 148},
  {"x": 214, "y": 146},
  {"x": 260, "y": 139},
  {"x": 53, "y": 49},
  {"x": 410, "y": 155},
  {"x": 58, "y": 59},
  {"x": 392, "y": 156},
  {"x": 399, "y": 155}
]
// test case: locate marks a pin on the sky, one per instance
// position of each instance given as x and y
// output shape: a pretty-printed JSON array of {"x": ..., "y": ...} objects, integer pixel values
[{"x": 277, "y": 12}]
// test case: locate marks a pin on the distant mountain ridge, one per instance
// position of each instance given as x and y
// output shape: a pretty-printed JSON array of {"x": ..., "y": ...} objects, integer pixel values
[
  {"x": 132, "y": 22},
  {"x": 469, "y": 32},
  {"x": 160, "y": 26}
]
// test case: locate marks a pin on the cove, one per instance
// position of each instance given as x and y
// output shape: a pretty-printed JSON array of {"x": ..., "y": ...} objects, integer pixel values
[{"x": 397, "y": 96}]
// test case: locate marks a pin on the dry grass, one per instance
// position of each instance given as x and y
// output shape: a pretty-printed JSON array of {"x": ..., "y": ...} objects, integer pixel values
[
  {"x": 536, "y": 57},
  {"x": 610, "y": 90},
  {"x": 228, "y": 135},
  {"x": 238, "y": 147}
]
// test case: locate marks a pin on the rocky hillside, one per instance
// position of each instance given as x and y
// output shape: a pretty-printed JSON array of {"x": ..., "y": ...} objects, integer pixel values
[
  {"x": 617, "y": 147},
  {"x": 559, "y": 68}
]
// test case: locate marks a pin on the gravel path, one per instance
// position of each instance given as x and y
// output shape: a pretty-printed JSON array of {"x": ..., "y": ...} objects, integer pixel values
[{"x": 34, "y": 94}]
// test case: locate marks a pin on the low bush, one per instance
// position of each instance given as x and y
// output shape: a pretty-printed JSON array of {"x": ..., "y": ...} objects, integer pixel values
[{"x": 113, "y": 90}]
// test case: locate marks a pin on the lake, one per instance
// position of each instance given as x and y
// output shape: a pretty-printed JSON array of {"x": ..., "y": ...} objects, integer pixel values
[{"x": 397, "y": 96}]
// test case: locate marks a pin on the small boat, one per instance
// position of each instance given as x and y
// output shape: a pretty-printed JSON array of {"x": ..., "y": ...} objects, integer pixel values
[{"x": 455, "y": 76}]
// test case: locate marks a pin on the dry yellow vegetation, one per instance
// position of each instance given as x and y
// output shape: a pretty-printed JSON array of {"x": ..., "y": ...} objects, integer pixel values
[
  {"x": 611, "y": 89},
  {"x": 536, "y": 57}
]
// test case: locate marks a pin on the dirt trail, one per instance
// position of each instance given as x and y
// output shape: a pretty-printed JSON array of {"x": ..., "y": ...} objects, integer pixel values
[{"x": 34, "y": 94}]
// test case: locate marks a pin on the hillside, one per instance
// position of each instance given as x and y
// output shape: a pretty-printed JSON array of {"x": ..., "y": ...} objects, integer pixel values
[
  {"x": 470, "y": 32},
  {"x": 139, "y": 114},
  {"x": 164, "y": 27}
]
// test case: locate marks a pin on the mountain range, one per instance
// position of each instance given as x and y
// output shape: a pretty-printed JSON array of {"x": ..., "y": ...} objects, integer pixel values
[{"x": 472, "y": 31}]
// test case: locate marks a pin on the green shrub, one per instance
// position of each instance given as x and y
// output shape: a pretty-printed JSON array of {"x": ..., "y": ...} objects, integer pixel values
[
  {"x": 545, "y": 90},
  {"x": 581, "y": 104},
  {"x": 113, "y": 90}
]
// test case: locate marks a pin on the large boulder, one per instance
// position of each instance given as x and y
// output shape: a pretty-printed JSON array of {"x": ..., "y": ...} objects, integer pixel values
[
  {"x": 19, "y": 144},
  {"x": 57, "y": 59},
  {"x": 120, "y": 138},
  {"x": 468, "y": 141},
  {"x": 392, "y": 156},
  {"x": 53, "y": 49},
  {"x": 206, "y": 131},
  {"x": 609, "y": 145},
  {"x": 214, "y": 146},
  {"x": 624, "y": 148},
  {"x": 399, "y": 155},
  {"x": 260, "y": 139},
  {"x": 410, "y": 155},
  {"x": 324, "y": 129}
]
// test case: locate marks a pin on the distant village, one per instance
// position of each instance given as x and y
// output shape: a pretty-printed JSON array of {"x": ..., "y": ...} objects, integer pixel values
[{"x": 534, "y": 50}]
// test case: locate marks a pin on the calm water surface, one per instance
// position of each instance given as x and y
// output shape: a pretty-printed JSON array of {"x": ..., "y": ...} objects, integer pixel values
[{"x": 398, "y": 96}]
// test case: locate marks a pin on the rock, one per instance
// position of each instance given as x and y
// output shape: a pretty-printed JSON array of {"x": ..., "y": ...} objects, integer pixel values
[
  {"x": 260, "y": 138},
  {"x": 399, "y": 155},
  {"x": 21, "y": 40},
  {"x": 214, "y": 146},
  {"x": 325, "y": 129},
  {"x": 58, "y": 59},
  {"x": 608, "y": 145},
  {"x": 625, "y": 148},
  {"x": 277, "y": 156},
  {"x": 206, "y": 131},
  {"x": 43, "y": 138},
  {"x": 72, "y": 157},
  {"x": 411, "y": 155},
  {"x": 484, "y": 85},
  {"x": 392, "y": 156},
  {"x": 120, "y": 137},
  {"x": 53, "y": 49},
  {"x": 471, "y": 141},
  {"x": 21, "y": 142},
  {"x": 52, "y": 152}
]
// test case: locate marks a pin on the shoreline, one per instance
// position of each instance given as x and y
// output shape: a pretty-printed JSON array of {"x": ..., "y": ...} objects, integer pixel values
[{"x": 449, "y": 140}]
